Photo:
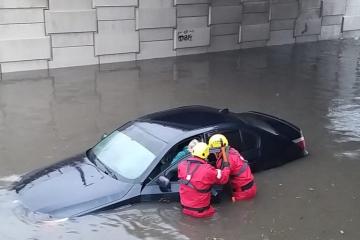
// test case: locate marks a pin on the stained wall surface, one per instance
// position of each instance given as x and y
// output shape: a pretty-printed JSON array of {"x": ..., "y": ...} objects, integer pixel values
[{"x": 45, "y": 34}]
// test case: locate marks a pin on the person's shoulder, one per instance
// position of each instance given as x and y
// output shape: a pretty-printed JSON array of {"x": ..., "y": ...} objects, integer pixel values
[
  {"x": 233, "y": 151},
  {"x": 208, "y": 166}
]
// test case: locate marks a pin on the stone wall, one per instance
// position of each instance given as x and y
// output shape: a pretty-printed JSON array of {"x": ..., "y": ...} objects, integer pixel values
[{"x": 43, "y": 34}]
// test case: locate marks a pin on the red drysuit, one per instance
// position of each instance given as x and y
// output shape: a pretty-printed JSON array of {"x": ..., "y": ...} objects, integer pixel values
[
  {"x": 241, "y": 178},
  {"x": 196, "y": 178}
]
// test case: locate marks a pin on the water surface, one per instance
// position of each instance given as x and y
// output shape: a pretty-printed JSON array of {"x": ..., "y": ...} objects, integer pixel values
[{"x": 47, "y": 116}]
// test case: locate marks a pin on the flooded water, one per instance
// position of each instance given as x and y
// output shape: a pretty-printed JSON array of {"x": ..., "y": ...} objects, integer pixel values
[{"x": 47, "y": 116}]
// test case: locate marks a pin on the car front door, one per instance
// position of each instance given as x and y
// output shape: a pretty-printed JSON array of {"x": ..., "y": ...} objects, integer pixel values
[{"x": 153, "y": 189}]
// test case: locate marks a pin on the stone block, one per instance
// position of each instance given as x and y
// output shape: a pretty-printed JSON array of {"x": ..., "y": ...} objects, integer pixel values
[
  {"x": 224, "y": 43},
  {"x": 330, "y": 32},
  {"x": 190, "y": 51},
  {"x": 114, "y": 43},
  {"x": 16, "y": 31},
  {"x": 70, "y": 5},
  {"x": 196, "y": 22},
  {"x": 24, "y": 49},
  {"x": 119, "y": 27},
  {"x": 352, "y": 9},
  {"x": 281, "y": 37},
  {"x": 256, "y": 7},
  {"x": 156, "y": 49},
  {"x": 352, "y": 2},
  {"x": 72, "y": 39},
  {"x": 332, "y": 20},
  {"x": 116, "y": 37},
  {"x": 307, "y": 27},
  {"x": 351, "y": 23},
  {"x": 23, "y": 4},
  {"x": 287, "y": 24},
  {"x": 156, "y": 4},
  {"x": 309, "y": 4},
  {"x": 226, "y": 14},
  {"x": 24, "y": 66},
  {"x": 284, "y": 10},
  {"x": 156, "y": 34},
  {"x": 311, "y": 14},
  {"x": 255, "y": 18},
  {"x": 225, "y": 29},
  {"x": 73, "y": 56},
  {"x": 308, "y": 38},
  {"x": 180, "y": 2},
  {"x": 126, "y": 57},
  {"x": 31, "y": 15},
  {"x": 253, "y": 44},
  {"x": 115, "y": 13},
  {"x": 192, "y": 10},
  {"x": 118, "y": 3},
  {"x": 255, "y": 32},
  {"x": 351, "y": 34},
  {"x": 70, "y": 21},
  {"x": 226, "y": 2},
  {"x": 155, "y": 17},
  {"x": 333, "y": 7},
  {"x": 191, "y": 37}
]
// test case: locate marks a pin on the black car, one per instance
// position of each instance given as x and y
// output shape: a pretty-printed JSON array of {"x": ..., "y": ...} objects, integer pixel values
[{"x": 133, "y": 163}]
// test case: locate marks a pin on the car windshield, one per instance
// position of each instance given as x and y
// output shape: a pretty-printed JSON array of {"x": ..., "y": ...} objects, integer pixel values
[{"x": 129, "y": 152}]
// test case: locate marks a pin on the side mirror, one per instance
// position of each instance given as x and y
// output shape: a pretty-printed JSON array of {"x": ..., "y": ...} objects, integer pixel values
[
  {"x": 164, "y": 184},
  {"x": 104, "y": 136}
]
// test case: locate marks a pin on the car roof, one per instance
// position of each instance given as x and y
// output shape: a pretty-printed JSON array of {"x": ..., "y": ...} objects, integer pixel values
[{"x": 190, "y": 118}]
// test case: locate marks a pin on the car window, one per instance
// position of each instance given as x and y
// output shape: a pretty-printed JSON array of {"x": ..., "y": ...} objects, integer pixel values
[
  {"x": 233, "y": 138},
  {"x": 249, "y": 140},
  {"x": 168, "y": 164}
]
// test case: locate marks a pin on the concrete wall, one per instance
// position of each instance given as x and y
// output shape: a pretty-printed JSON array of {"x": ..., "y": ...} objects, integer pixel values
[{"x": 43, "y": 34}]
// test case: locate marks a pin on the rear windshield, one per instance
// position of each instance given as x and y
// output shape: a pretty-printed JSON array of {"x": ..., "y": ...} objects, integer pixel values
[{"x": 250, "y": 120}]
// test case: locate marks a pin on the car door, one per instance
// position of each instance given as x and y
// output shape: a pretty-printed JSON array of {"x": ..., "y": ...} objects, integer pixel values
[
  {"x": 250, "y": 146},
  {"x": 245, "y": 141},
  {"x": 152, "y": 190}
]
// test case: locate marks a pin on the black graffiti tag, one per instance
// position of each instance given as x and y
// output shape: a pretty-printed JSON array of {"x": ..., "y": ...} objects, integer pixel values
[{"x": 185, "y": 35}]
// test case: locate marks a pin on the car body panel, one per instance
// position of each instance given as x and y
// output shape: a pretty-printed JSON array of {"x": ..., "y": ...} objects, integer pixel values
[{"x": 69, "y": 188}]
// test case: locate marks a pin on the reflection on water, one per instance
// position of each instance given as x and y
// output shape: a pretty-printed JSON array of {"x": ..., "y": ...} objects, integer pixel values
[
  {"x": 345, "y": 120},
  {"x": 47, "y": 116}
]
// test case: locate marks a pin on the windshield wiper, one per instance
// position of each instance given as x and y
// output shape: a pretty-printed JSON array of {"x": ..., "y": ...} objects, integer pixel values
[
  {"x": 108, "y": 171},
  {"x": 97, "y": 162}
]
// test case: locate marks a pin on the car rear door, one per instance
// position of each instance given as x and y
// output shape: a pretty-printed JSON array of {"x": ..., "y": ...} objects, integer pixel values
[{"x": 246, "y": 141}]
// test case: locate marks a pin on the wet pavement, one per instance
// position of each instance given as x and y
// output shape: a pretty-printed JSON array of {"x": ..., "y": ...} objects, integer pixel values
[{"x": 47, "y": 116}]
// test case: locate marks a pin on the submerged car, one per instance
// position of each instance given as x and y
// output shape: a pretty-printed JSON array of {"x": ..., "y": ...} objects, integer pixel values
[{"x": 135, "y": 162}]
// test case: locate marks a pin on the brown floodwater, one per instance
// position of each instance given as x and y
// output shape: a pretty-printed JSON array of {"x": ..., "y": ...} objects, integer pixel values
[{"x": 47, "y": 116}]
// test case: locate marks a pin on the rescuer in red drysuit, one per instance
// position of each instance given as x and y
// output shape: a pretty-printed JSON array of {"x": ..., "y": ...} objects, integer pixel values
[
  {"x": 241, "y": 179},
  {"x": 196, "y": 177}
]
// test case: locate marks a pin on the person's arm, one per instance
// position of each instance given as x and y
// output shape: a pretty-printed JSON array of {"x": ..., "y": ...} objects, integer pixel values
[
  {"x": 217, "y": 176},
  {"x": 223, "y": 175}
]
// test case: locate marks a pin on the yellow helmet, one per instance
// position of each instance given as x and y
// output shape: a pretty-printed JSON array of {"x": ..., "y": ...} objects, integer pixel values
[
  {"x": 201, "y": 150},
  {"x": 218, "y": 141}
]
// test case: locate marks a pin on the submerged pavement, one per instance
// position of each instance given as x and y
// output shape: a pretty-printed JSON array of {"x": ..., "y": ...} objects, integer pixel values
[{"x": 47, "y": 116}]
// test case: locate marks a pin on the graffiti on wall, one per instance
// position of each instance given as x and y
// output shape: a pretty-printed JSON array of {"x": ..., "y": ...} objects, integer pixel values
[{"x": 185, "y": 35}]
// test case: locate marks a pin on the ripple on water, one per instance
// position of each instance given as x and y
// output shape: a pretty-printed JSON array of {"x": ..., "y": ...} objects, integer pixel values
[
  {"x": 344, "y": 121},
  {"x": 145, "y": 221}
]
